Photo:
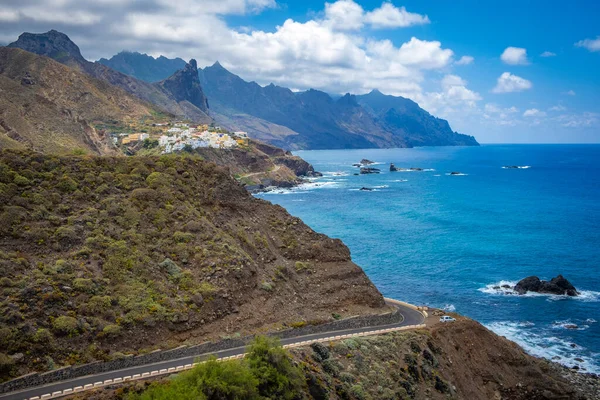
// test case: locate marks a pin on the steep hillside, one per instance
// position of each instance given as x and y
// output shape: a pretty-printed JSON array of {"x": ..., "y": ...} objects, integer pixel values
[
  {"x": 59, "y": 47},
  {"x": 461, "y": 360},
  {"x": 49, "y": 107},
  {"x": 184, "y": 86},
  {"x": 143, "y": 66},
  {"x": 109, "y": 255},
  {"x": 417, "y": 126},
  {"x": 317, "y": 121}
]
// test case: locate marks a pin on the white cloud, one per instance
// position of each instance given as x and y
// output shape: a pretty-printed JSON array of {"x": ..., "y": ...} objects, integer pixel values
[
  {"x": 548, "y": 54},
  {"x": 534, "y": 112},
  {"x": 344, "y": 15},
  {"x": 582, "y": 120},
  {"x": 590, "y": 44},
  {"x": 453, "y": 99},
  {"x": 390, "y": 16},
  {"x": 425, "y": 54},
  {"x": 508, "y": 83},
  {"x": 557, "y": 108},
  {"x": 514, "y": 56},
  {"x": 465, "y": 60},
  {"x": 570, "y": 93}
]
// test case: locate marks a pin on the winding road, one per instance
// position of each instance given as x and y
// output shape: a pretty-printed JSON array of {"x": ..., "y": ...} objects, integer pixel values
[{"x": 411, "y": 318}]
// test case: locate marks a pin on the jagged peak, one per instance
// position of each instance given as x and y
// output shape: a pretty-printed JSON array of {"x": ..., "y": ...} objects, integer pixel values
[
  {"x": 51, "y": 44},
  {"x": 193, "y": 64}
]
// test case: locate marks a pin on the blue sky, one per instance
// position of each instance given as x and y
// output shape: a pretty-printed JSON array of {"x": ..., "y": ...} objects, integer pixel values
[{"x": 446, "y": 55}]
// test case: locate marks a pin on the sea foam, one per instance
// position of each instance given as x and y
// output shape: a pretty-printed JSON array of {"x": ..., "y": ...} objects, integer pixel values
[{"x": 550, "y": 347}]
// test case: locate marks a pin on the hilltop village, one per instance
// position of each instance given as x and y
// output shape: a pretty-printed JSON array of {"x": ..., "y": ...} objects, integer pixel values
[{"x": 170, "y": 137}]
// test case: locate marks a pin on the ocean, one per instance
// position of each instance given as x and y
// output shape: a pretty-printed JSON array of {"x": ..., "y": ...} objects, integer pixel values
[{"x": 446, "y": 241}]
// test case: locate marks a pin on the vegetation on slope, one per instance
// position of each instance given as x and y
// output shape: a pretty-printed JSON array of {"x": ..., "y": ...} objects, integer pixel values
[
  {"x": 462, "y": 360},
  {"x": 267, "y": 372},
  {"x": 49, "y": 107},
  {"x": 109, "y": 255}
]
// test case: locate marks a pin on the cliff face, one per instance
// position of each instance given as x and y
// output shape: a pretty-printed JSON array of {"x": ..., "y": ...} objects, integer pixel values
[
  {"x": 184, "y": 86},
  {"x": 259, "y": 165},
  {"x": 316, "y": 121},
  {"x": 461, "y": 360},
  {"x": 49, "y": 107},
  {"x": 109, "y": 255}
]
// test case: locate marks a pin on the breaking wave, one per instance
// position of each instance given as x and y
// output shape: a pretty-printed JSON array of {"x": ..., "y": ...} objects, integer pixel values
[{"x": 563, "y": 351}]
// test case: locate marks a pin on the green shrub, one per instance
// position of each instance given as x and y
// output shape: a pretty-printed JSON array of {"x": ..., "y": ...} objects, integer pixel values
[
  {"x": 302, "y": 266},
  {"x": 21, "y": 180},
  {"x": 99, "y": 304},
  {"x": 183, "y": 237},
  {"x": 67, "y": 184},
  {"x": 6, "y": 364},
  {"x": 111, "y": 330},
  {"x": 43, "y": 336},
  {"x": 170, "y": 267},
  {"x": 359, "y": 393},
  {"x": 266, "y": 286},
  {"x": 65, "y": 325},
  {"x": 83, "y": 285},
  {"x": 207, "y": 381},
  {"x": 277, "y": 377}
]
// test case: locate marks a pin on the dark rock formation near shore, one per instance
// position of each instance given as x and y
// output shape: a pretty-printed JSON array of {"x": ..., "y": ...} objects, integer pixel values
[
  {"x": 368, "y": 170},
  {"x": 558, "y": 285}
]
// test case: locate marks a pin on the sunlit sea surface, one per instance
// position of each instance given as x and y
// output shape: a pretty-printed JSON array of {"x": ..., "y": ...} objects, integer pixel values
[{"x": 443, "y": 240}]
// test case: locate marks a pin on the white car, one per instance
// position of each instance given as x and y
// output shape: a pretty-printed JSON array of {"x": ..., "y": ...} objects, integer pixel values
[{"x": 447, "y": 318}]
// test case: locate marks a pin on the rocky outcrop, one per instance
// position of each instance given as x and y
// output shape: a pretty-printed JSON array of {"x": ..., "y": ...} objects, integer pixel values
[
  {"x": 184, "y": 85},
  {"x": 299, "y": 166},
  {"x": 558, "y": 285},
  {"x": 52, "y": 44},
  {"x": 365, "y": 161},
  {"x": 393, "y": 168},
  {"x": 369, "y": 170}
]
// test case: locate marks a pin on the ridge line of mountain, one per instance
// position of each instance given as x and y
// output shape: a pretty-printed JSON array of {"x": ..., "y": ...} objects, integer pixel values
[{"x": 301, "y": 120}]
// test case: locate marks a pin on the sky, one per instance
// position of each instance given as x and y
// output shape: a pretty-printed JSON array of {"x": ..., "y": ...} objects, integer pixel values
[{"x": 506, "y": 72}]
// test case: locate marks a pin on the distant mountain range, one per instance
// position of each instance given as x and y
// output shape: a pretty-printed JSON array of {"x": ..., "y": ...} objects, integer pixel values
[
  {"x": 143, "y": 66},
  {"x": 317, "y": 121},
  {"x": 293, "y": 120}
]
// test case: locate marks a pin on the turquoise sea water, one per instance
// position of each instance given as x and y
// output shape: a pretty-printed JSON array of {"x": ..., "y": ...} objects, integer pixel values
[{"x": 445, "y": 241}]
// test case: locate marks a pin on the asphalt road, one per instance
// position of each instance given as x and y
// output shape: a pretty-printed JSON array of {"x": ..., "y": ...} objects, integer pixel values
[{"x": 411, "y": 317}]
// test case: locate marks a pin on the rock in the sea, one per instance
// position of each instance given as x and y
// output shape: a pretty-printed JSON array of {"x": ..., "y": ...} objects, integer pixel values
[
  {"x": 571, "y": 326},
  {"x": 366, "y": 189},
  {"x": 393, "y": 168},
  {"x": 368, "y": 170},
  {"x": 455, "y": 173},
  {"x": 558, "y": 285},
  {"x": 364, "y": 161},
  {"x": 357, "y": 165},
  {"x": 416, "y": 169}
]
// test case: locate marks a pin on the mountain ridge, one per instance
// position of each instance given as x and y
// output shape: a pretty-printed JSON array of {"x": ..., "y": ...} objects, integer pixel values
[
  {"x": 294, "y": 120},
  {"x": 50, "y": 107},
  {"x": 323, "y": 122},
  {"x": 61, "y": 48},
  {"x": 143, "y": 66}
]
